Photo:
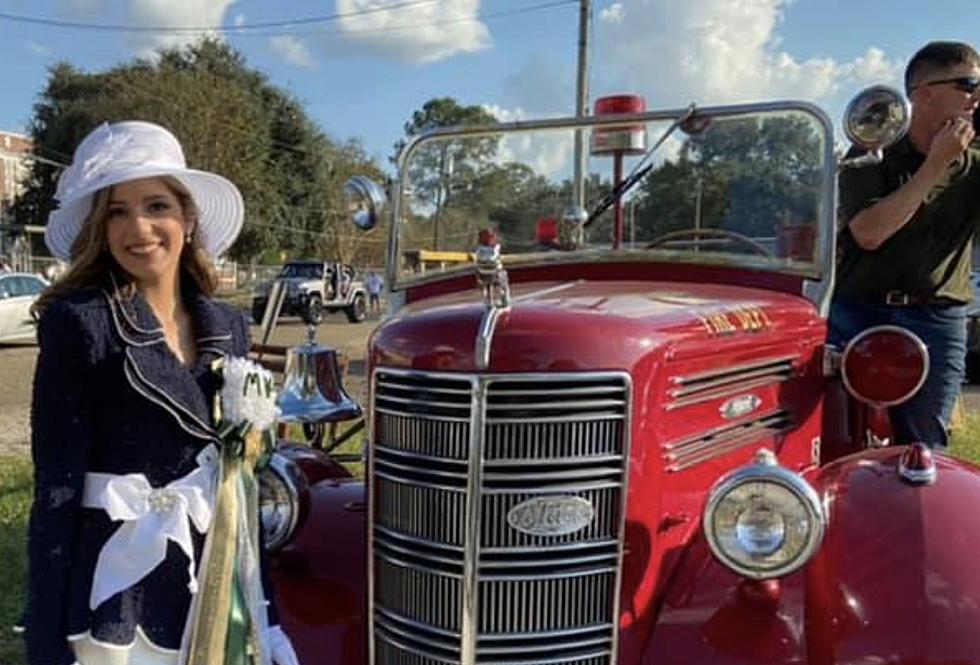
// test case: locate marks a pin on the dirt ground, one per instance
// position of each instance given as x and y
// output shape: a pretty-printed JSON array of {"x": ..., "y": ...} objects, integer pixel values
[{"x": 17, "y": 368}]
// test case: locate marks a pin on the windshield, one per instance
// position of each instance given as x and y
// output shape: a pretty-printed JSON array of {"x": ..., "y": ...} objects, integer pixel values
[
  {"x": 302, "y": 270},
  {"x": 751, "y": 188}
]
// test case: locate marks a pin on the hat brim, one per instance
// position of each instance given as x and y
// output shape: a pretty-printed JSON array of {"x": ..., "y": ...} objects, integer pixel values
[{"x": 221, "y": 210}]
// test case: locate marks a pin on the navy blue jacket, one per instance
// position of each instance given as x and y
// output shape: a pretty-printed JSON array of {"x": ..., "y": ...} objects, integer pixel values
[{"x": 110, "y": 396}]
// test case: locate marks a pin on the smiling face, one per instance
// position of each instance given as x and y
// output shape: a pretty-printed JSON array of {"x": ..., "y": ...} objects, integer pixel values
[{"x": 145, "y": 229}]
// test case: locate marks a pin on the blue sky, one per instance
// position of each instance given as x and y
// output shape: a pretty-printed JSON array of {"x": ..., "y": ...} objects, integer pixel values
[{"x": 362, "y": 73}]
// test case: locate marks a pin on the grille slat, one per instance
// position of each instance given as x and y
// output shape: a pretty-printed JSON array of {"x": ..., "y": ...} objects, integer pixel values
[{"x": 540, "y": 597}]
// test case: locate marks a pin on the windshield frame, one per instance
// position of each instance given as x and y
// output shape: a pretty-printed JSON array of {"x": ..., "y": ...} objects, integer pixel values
[{"x": 818, "y": 275}]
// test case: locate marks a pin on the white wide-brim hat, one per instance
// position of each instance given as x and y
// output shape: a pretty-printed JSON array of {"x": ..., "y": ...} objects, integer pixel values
[{"x": 120, "y": 152}]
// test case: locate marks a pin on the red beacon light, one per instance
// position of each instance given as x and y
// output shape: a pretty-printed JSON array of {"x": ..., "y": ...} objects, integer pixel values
[
  {"x": 884, "y": 365},
  {"x": 625, "y": 140}
]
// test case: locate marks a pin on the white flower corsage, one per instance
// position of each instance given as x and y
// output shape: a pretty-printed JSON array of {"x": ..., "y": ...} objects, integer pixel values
[{"x": 248, "y": 401}]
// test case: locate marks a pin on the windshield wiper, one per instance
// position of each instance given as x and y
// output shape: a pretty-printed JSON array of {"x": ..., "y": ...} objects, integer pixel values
[{"x": 639, "y": 171}]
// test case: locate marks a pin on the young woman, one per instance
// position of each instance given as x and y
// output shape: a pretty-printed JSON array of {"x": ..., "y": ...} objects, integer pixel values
[{"x": 126, "y": 452}]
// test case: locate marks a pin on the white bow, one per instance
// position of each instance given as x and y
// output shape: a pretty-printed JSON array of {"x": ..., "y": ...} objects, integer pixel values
[{"x": 151, "y": 516}]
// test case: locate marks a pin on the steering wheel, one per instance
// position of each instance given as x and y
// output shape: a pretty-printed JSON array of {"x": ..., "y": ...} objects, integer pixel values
[{"x": 755, "y": 246}]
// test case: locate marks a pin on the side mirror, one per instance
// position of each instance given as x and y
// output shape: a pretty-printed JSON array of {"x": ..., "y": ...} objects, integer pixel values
[
  {"x": 365, "y": 201},
  {"x": 876, "y": 118}
]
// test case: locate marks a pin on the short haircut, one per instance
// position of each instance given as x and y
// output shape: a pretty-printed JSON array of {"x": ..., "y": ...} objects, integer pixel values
[{"x": 937, "y": 57}]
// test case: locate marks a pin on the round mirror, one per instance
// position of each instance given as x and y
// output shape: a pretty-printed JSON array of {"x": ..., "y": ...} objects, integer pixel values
[
  {"x": 365, "y": 201},
  {"x": 877, "y": 117}
]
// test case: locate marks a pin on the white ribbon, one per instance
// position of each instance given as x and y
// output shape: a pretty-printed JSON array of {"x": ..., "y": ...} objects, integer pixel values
[{"x": 152, "y": 517}]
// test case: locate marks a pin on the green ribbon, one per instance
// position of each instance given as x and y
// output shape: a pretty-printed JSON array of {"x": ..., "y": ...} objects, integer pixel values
[{"x": 237, "y": 651}]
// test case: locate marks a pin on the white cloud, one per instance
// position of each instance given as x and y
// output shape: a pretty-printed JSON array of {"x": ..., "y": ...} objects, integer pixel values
[
  {"x": 292, "y": 50},
  {"x": 614, "y": 13},
  {"x": 173, "y": 13},
  {"x": 715, "y": 51},
  {"x": 549, "y": 154},
  {"x": 874, "y": 67},
  {"x": 421, "y": 33}
]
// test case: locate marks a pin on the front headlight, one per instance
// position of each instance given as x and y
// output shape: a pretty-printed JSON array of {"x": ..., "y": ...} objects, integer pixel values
[
  {"x": 762, "y": 520},
  {"x": 279, "y": 503}
]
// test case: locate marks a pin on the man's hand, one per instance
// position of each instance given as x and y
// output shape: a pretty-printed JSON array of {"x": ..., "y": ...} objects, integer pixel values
[{"x": 950, "y": 142}]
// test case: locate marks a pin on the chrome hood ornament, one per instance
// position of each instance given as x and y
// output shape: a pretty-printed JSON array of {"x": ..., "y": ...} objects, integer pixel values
[
  {"x": 490, "y": 273},
  {"x": 492, "y": 280}
]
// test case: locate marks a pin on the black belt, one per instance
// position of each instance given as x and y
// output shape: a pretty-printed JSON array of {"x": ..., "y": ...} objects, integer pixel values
[{"x": 902, "y": 299}]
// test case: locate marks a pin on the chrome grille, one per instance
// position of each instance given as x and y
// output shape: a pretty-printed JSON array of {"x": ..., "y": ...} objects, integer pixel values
[{"x": 452, "y": 581}]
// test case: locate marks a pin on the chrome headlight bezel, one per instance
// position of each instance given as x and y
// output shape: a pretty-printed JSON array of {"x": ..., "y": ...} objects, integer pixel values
[
  {"x": 286, "y": 477},
  {"x": 764, "y": 471}
]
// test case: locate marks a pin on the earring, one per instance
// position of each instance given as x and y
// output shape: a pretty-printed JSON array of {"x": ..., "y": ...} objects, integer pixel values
[{"x": 189, "y": 239}]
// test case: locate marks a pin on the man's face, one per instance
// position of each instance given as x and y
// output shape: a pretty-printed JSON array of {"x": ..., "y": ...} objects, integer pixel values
[{"x": 949, "y": 94}]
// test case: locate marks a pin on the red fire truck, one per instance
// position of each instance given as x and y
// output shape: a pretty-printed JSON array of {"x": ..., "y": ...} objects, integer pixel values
[{"x": 636, "y": 448}]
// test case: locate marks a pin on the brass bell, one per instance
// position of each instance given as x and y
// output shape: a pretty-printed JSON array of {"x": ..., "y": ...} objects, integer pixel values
[{"x": 313, "y": 391}]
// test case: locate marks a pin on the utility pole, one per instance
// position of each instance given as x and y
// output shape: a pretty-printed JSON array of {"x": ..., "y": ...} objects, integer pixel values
[{"x": 581, "y": 101}]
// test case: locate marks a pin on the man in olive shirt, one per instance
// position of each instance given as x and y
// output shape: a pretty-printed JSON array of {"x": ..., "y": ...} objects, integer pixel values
[{"x": 906, "y": 242}]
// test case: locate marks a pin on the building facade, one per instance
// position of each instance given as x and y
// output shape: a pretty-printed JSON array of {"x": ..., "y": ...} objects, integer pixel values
[{"x": 13, "y": 165}]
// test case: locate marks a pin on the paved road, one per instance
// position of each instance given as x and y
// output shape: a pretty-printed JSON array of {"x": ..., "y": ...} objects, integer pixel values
[{"x": 17, "y": 368}]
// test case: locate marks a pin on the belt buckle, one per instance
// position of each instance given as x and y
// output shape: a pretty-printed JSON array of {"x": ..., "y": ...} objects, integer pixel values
[{"x": 897, "y": 298}]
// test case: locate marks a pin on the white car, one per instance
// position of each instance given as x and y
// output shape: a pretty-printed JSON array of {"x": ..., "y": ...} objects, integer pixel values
[{"x": 18, "y": 291}]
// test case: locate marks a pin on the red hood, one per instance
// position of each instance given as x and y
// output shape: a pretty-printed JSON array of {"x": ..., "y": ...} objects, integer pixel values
[{"x": 586, "y": 325}]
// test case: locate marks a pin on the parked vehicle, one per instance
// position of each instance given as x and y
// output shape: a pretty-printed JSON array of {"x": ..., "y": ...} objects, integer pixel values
[
  {"x": 18, "y": 291},
  {"x": 638, "y": 447},
  {"x": 313, "y": 288}
]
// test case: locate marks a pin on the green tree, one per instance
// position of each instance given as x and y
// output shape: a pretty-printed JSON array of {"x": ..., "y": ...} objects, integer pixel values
[
  {"x": 228, "y": 118},
  {"x": 745, "y": 174},
  {"x": 439, "y": 170}
]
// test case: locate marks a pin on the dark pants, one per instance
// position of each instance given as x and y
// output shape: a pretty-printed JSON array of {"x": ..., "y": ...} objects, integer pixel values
[{"x": 942, "y": 328}]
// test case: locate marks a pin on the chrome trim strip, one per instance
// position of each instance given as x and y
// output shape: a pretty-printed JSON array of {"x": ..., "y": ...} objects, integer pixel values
[
  {"x": 399, "y": 619},
  {"x": 422, "y": 402},
  {"x": 388, "y": 625},
  {"x": 383, "y": 385},
  {"x": 405, "y": 481},
  {"x": 726, "y": 391},
  {"x": 525, "y": 649},
  {"x": 415, "y": 566},
  {"x": 420, "y": 416},
  {"x": 554, "y": 419},
  {"x": 553, "y": 461},
  {"x": 590, "y": 474},
  {"x": 471, "y": 550},
  {"x": 566, "y": 405},
  {"x": 539, "y": 563},
  {"x": 421, "y": 471},
  {"x": 552, "y": 489},
  {"x": 386, "y": 534},
  {"x": 560, "y": 547},
  {"x": 570, "y": 632},
  {"x": 734, "y": 369},
  {"x": 727, "y": 428},
  {"x": 421, "y": 458},
  {"x": 484, "y": 338}
]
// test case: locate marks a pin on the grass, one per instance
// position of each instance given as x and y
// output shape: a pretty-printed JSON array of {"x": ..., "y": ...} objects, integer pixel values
[{"x": 15, "y": 502}]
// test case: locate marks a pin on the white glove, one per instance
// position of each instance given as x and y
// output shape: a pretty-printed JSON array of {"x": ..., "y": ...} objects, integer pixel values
[{"x": 280, "y": 647}]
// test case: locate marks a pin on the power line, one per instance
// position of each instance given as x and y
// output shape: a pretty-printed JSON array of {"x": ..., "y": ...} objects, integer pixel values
[
  {"x": 108, "y": 27},
  {"x": 424, "y": 24}
]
